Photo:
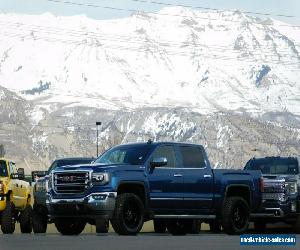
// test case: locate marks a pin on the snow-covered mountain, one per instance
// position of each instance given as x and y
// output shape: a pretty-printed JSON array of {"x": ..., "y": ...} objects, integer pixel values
[{"x": 157, "y": 75}]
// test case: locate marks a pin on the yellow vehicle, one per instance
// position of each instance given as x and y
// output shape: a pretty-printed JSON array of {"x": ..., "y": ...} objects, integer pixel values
[{"x": 14, "y": 198}]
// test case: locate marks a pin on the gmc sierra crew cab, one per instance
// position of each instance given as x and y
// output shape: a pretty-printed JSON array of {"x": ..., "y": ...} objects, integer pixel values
[{"x": 171, "y": 183}]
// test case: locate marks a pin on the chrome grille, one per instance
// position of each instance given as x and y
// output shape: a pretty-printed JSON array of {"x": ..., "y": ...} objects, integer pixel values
[
  {"x": 274, "y": 186},
  {"x": 274, "y": 196},
  {"x": 71, "y": 182}
]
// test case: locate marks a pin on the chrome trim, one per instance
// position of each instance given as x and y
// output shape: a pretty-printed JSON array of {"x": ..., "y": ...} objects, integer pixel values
[
  {"x": 71, "y": 171},
  {"x": 198, "y": 199},
  {"x": 166, "y": 198},
  {"x": 275, "y": 210},
  {"x": 179, "y": 168},
  {"x": 207, "y": 176},
  {"x": 177, "y": 175},
  {"x": 50, "y": 200}
]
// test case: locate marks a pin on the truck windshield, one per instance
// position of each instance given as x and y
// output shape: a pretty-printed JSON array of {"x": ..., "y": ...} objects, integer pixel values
[
  {"x": 279, "y": 166},
  {"x": 3, "y": 169},
  {"x": 125, "y": 154}
]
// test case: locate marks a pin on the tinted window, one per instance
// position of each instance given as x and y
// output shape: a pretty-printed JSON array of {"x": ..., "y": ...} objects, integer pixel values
[
  {"x": 275, "y": 166},
  {"x": 3, "y": 169},
  {"x": 125, "y": 154},
  {"x": 167, "y": 152},
  {"x": 192, "y": 157}
]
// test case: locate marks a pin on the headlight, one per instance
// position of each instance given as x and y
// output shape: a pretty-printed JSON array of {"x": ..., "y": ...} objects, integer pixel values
[
  {"x": 100, "y": 178},
  {"x": 49, "y": 183},
  {"x": 40, "y": 186},
  {"x": 291, "y": 187}
]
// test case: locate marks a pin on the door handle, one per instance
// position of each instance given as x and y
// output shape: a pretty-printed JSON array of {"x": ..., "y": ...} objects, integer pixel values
[
  {"x": 177, "y": 175},
  {"x": 207, "y": 176}
]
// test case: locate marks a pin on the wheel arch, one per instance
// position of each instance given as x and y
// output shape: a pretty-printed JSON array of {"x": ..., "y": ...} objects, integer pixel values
[
  {"x": 136, "y": 187},
  {"x": 239, "y": 190}
]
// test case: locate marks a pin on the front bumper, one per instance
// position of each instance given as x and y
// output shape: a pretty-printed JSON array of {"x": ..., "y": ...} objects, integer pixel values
[
  {"x": 280, "y": 211},
  {"x": 92, "y": 206}
]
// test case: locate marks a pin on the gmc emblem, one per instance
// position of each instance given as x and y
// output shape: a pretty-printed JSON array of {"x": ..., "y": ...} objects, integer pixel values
[{"x": 69, "y": 178}]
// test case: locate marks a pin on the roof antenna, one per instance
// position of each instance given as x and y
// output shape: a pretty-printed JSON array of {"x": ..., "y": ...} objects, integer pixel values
[{"x": 149, "y": 141}]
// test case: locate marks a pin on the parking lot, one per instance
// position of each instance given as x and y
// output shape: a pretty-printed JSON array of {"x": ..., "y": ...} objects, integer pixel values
[{"x": 146, "y": 240}]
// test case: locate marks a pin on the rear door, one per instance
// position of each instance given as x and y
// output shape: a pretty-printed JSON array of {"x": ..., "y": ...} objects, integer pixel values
[
  {"x": 197, "y": 177},
  {"x": 165, "y": 183}
]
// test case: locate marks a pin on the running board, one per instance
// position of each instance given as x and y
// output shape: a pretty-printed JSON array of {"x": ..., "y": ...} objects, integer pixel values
[{"x": 169, "y": 216}]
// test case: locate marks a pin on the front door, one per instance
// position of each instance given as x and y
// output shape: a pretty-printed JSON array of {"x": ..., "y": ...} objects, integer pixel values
[{"x": 165, "y": 183}]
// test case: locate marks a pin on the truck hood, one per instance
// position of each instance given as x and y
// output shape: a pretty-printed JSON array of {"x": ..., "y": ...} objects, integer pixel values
[{"x": 100, "y": 167}]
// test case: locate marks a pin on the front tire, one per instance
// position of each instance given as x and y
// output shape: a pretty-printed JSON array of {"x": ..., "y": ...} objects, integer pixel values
[
  {"x": 39, "y": 221},
  {"x": 235, "y": 215},
  {"x": 26, "y": 220},
  {"x": 128, "y": 217},
  {"x": 8, "y": 221},
  {"x": 159, "y": 226},
  {"x": 69, "y": 226}
]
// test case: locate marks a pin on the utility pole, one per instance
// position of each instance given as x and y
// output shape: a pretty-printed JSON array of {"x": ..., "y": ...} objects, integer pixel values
[{"x": 97, "y": 126}]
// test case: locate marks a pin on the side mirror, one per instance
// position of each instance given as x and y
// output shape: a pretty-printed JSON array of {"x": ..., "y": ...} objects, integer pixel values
[
  {"x": 159, "y": 162},
  {"x": 35, "y": 175},
  {"x": 21, "y": 174}
]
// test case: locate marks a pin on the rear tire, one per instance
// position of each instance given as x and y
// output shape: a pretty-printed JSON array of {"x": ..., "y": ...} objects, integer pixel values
[
  {"x": 102, "y": 226},
  {"x": 8, "y": 219},
  {"x": 259, "y": 227},
  {"x": 128, "y": 217},
  {"x": 69, "y": 226},
  {"x": 26, "y": 220},
  {"x": 159, "y": 226},
  {"x": 235, "y": 215},
  {"x": 39, "y": 221}
]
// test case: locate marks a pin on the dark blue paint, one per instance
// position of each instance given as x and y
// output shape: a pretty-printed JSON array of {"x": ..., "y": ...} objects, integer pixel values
[{"x": 191, "y": 193}]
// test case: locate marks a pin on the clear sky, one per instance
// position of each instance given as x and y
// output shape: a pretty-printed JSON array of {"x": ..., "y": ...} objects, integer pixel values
[{"x": 285, "y": 7}]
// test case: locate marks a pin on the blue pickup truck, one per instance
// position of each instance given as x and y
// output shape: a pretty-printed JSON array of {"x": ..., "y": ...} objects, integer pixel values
[{"x": 170, "y": 183}]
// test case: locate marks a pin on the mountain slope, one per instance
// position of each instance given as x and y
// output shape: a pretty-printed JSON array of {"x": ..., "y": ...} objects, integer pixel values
[{"x": 223, "y": 79}]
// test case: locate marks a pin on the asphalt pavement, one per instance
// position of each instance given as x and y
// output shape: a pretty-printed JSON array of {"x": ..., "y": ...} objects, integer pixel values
[{"x": 143, "y": 241}]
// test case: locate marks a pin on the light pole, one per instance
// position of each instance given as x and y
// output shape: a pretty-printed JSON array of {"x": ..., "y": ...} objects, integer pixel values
[{"x": 97, "y": 125}]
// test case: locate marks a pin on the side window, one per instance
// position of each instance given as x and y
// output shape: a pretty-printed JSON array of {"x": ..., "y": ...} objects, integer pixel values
[
  {"x": 192, "y": 157},
  {"x": 3, "y": 169},
  {"x": 168, "y": 152}
]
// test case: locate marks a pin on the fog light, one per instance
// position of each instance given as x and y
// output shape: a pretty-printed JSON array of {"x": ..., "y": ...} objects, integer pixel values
[
  {"x": 99, "y": 197},
  {"x": 293, "y": 207}
]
